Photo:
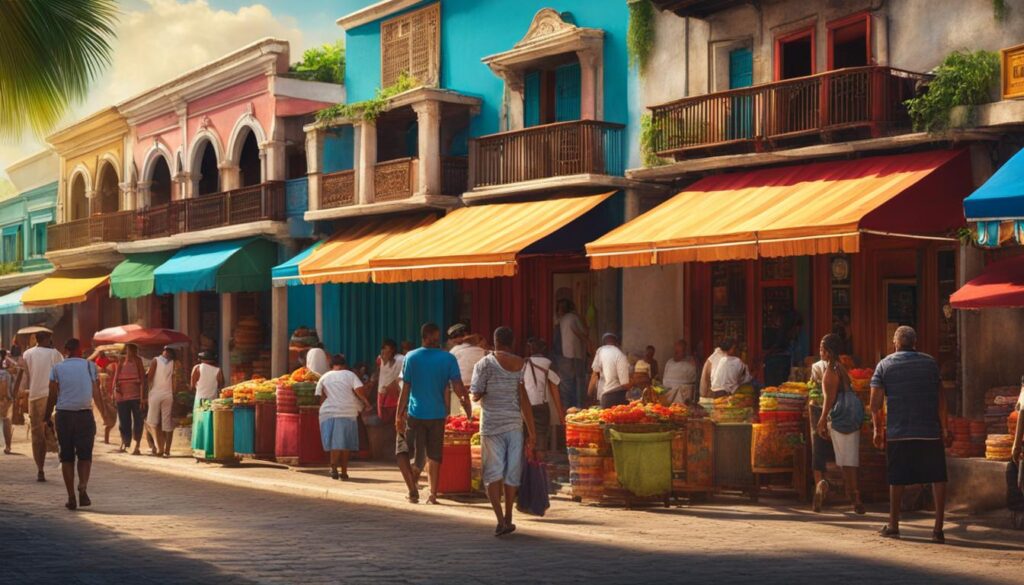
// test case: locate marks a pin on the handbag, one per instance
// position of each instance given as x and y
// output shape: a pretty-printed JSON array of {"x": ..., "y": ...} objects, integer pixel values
[
  {"x": 50, "y": 436},
  {"x": 847, "y": 414}
]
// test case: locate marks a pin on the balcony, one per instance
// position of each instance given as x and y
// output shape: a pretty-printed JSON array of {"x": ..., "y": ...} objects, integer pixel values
[
  {"x": 263, "y": 202},
  {"x": 109, "y": 227},
  {"x": 697, "y": 8},
  {"x": 822, "y": 108},
  {"x": 583, "y": 147}
]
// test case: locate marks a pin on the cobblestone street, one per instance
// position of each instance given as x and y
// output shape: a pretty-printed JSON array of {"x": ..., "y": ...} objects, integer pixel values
[{"x": 156, "y": 521}]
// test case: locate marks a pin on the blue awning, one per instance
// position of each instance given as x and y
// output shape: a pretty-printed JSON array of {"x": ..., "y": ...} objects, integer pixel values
[
  {"x": 11, "y": 230},
  {"x": 10, "y": 304},
  {"x": 1002, "y": 196},
  {"x": 229, "y": 266},
  {"x": 288, "y": 272}
]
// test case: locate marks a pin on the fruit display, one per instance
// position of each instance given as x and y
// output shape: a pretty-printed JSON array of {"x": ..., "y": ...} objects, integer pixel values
[
  {"x": 639, "y": 413},
  {"x": 586, "y": 416},
  {"x": 814, "y": 393},
  {"x": 774, "y": 444},
  {"x": 460, "y": 424},
  {"x": 998, "y": 447},
  {"x": 738, "y": 407},
  {"x": 222, "y": 403},
  {"x": 248, "y": 356},
  {"x": 305, "y": 394},
  {"x": 786, "y": 403},
  {"x": 243, "y": 395}
]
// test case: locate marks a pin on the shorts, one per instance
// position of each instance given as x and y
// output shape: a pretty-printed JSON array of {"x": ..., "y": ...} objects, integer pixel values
[
  {"x": 502, "y": 458},
  {"x": 542, "y": 425},
  {"x": 423, "y": 439},
  {"x": 846, "y": 446},
  {"x": 158, "y": 414},
  {"x": 76, "y": 433},
  {"x": 821, "y": 450},
  {"x": 916, "y": 461},
  {"x": 339, "y": 433}
]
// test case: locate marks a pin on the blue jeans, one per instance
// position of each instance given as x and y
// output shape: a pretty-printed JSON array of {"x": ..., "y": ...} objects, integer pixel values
[
  {"x": 129, "y": 418},
  {"x": 572, "y": 389},
  {"x": 502, "y": 457}
]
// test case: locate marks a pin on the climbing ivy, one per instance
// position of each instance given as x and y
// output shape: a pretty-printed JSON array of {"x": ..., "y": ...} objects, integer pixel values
[
  {"x": 963, "y": 79},
  {"x": 369, "y": 110},
  {"x": 649, "y": 134},
  {"x": 640, "y": 34},
  {"x": 999, "y": 9}
]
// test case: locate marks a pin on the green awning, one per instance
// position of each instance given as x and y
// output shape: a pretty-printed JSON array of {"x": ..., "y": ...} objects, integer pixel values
[
  {"x": 134, "y": 277},
  {"x": 223, "y": 267}
]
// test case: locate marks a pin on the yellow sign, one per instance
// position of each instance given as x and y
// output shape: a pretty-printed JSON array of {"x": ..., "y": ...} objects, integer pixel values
[{"x": 1013, "y": 72}]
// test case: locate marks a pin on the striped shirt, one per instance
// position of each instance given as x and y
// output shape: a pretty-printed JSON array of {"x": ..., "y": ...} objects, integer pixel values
[
  {"x": 500, "y": 403},
  {"x": 911, "y": 383}
]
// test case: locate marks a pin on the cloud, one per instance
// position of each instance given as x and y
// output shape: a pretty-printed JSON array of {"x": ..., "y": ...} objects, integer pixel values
[{"x": 160, "y": 39}]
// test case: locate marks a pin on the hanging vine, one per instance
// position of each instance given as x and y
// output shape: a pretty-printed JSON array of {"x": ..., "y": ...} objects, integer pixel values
[
  {"x": 369, "y": 110},
  {"x": 640, "y": 34},
  {"x": 963, "y": 79},
  {"x": 999, "y": 10},
  {"x": 649, "y": 134}
]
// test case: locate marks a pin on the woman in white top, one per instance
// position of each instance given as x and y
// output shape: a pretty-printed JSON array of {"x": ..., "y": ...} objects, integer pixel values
[
  {"x": 161, "y": 399},
  {"x": 389, "y": 383},
  {"x": 207, "y": 378},
  {"x": 541, "y": 383},
  {"x": 680, "y": 374},
  {"x": 341, "y": 401}
]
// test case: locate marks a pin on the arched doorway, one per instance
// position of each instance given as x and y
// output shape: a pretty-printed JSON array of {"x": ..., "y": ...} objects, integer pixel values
[
  {"x": 249, "y": 161},
  {"x": 108, "y": 194},
  {"x": 160, "y": 183},
  {"x": 79, "y": 203},
  {"x": 209, "y": 174}
]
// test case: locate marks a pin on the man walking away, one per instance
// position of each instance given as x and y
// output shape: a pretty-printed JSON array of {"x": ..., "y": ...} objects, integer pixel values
[
  {"x": 908, "y": 384},
  {"x": 498, "y": 387},
  {"x": 571, "y": 352},
  {"x": 39, "y": 362},
  {"x": 72, "y": 384},
  {"x": 419, "y": 421},
  {"x": 611, "y": 369},
  {"x": 7, "y": 396},
  {"x": 467, "y": 352},
  {"x": 161, "y": 400}
]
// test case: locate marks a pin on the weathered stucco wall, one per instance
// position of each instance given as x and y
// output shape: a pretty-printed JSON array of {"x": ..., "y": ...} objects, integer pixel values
[{"x": 652, "y": 309}]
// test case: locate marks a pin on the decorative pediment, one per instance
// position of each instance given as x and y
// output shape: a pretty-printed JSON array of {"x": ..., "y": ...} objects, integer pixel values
[
  {"x": 549, "y": 35},
  {"x": 546, "y": 22}
]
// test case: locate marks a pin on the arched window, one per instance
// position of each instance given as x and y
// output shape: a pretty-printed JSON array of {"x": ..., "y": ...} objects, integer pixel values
[
  {"x": 78, "y": 203},
  {"x": 249, "y": 161},
  {"x": 209, "y": 174},
  {"x": 160, "y": 183},
  {"x": 107, "y": 198}
]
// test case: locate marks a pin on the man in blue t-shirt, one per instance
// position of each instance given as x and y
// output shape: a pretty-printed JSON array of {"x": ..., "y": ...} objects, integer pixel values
[
  {"x": 73, "y": 383},
  {"x": 419, "y": 422}
]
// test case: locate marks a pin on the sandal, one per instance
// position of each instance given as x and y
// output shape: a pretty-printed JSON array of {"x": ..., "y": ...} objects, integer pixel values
[
  {"x": 500, "y": 529},
  {"x": 83, "y": 498},
  {"x": 413, "y": 498},
  {"x": 334, "y": 474},
  {"x": 432, "y": 500},
  {"x": 71, "y": 504},
  {"x": 343, "y": 476},
  {"x": 509, "y": 529},
  {"x": 887, "y": 532},
  {"x": 938, "y": 537},
  {"x": 40, "y": 476},
  {"x": 858, "y": 509}
]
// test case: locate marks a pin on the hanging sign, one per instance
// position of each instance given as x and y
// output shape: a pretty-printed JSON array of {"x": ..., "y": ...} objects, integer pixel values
[{"x": 1013, "y": 72}]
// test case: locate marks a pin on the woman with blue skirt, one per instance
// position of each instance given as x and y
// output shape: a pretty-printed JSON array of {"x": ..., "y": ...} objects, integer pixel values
[{"x": 341, "y": 400}]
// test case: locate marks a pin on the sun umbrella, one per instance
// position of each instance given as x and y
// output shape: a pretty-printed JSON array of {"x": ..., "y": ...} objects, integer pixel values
[
  {"x": 141, "y": 336},
  {"x": 33, "y": 329},
  {"x": 114, "y": 334}
]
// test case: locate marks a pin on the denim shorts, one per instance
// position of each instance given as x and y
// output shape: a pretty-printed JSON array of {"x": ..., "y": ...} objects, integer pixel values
[{"x": 502, "y": 457}]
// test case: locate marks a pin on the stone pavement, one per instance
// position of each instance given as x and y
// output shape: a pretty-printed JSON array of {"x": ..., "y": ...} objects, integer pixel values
[{"x": 176, "y": 521}]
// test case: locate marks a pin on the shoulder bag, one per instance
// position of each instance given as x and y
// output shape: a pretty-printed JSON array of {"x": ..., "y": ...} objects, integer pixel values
[{"x": 847, "y": 414}]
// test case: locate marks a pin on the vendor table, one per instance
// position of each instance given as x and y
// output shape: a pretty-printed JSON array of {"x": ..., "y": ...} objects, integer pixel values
[
  {"x": 733, "y": 470},
  {"x": 202, "y": 434},
  {"x": 266, "y": 429},
  {"x": 244, "y": 431}
]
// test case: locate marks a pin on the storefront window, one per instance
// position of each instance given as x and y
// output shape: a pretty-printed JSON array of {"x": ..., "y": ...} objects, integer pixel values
[{"x": 729, "y": 303}]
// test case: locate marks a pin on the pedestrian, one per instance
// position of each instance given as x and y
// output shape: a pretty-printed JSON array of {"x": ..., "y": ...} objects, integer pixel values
[
  {"x": 730, "y": 372},
  {"x": 680, "y": 374},
  {"x": 709, "y": 367},
  {"x": 467, "y": 351},
  {"x": 1014, "y": 471},
  {"x": 39, "y": 362},
  {"x": 542, "y": 388},
  {"x": 15, "y": 349},
  {"x": 571, "y": 353},
  {"x": 129, "y": 381},
  {"x": 389, "y": 380},
  {"x": 649, "y": 353},
  {"x": 103, "y": 401},
  {"x": 207, "y": 378},
  {"x": 610, "y": 379},
  {"x": 316, "y": 360},
  {"x": 406, "y": 347},
  {"x": 161, "y": 399},
  {"x": 419, "y": 421},
  {"x": 821, "y": 447},
  {"x": 342, "y": 398},
  {"x": 498, "y": 387},
  {"x": 907, "y": 384},
  {"x": 7, "y": 394},
  {"x": 72, "y": 385},
  {"x": 840, "y": 421}
]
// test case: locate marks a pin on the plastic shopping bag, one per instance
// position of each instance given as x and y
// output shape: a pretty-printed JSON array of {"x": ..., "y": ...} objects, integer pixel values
[{"x": 533, "y": 488}]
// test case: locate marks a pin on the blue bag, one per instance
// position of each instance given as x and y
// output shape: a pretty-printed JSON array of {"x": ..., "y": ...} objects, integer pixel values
[{"x": 847, "y": 414}]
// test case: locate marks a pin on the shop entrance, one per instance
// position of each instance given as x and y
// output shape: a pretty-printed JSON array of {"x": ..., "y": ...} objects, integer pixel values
[{"x": 729, "y": 304}]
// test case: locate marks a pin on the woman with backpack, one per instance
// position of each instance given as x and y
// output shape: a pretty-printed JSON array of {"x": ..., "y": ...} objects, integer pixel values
[{"x": 841, "y": 418}]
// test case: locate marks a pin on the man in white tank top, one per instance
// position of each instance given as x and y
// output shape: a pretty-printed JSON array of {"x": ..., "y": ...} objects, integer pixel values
[
  {"x": 207, "y": 378},
  {"x": 161, "y": 400}
]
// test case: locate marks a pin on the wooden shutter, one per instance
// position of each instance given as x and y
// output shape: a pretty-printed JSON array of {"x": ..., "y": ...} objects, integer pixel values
[
  {"x": 568, "y": 93},
  {"x": 411, "y": 43}
]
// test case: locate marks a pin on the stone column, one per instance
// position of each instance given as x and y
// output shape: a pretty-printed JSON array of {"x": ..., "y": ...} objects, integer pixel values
[
  {"x": 142, "y": 194},
  {"x": 514, "y": 89},
  {"x": 230, "y": 176},
  {"x": 589, "y": 84},
  {"x": 184, "y": 183},
  {"x": 318, "y": 309},
  {"x": 428, "y": 118},
  {"x": 279, "y": 333},
  {"x": 227, "y": 325},
  {"x": 274, "y": 160},
  {"x": 314, "y": 167},
  {"x": 366, "y": 160}
]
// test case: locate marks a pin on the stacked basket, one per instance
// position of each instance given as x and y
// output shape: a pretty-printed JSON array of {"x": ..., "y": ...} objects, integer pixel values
[
  {"x": 998, "y": 447},
  {"x": 588, "y": 450}
]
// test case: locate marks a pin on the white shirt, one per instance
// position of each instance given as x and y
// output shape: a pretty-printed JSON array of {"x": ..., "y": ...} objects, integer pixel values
[
  {"x": 613, "y": 366},
  {"x": 572, "y": 345},
  {"x": 729, "y": 374},
  {"x": 163, "y": 377},
  {"x": 467, "y": 355},
  {"x": 536, "y": 376},
  {"x": 206, "y": 386},
  {"x": 339, "y": 389},
  {"x": 316, "y": 360},
  {"x": 680, "y": 373},
  {"x": 39, "y": 362},
  {"x": 387, "y": 374},
  {"x": 818, "y": 371}
]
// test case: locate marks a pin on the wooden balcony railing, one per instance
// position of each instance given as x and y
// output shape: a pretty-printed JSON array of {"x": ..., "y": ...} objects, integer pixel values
[
  {"x": 337, "y": 189},
  {"x": 395, "y": 179},
  {"x": 108, "y": 227},
  {"x": 454, "y": 175},
  {"x": 552, "y": 150},
  {"x": 869, "y": 99}
]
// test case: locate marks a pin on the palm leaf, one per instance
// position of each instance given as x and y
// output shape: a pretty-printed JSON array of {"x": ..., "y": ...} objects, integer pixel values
[{"x": 50, "y": 52}]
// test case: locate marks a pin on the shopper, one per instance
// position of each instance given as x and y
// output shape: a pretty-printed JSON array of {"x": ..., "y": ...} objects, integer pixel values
[
  {"x": 103, "y": 401},
  {"x": 7, "y": 394},
  {"x": 161, "y": 399},
  {"x": 907, "y": 384},
  {"x": 419, "y": 422},
  {"x": 610, "y": 379},
  {"x": 821, "y": 447},
  {"x": 571, "y": 353},
  {"x": 207, "y": 378},
  {"x": 342, "y": 398},
  {"x": 316, "y": 360},
  {"x": 841, "y": 418},
  {"x": 498, "y": 387},
  {"x": 406, "y": 347},
  {"x": 709, "y": 366},
  {"x": 680, "y": 374},
  {"x": 649, "y": 353},
  {"x": 542, "y": 388},
  {"x": 72, "y": 385},
  {"x": 389, "y": 380},
  {"x": 467, "y": 351},
  {"x": 39, "y": 362},
  {"x": 129, "y": 383},
  {"x": 729, "y": 373}
]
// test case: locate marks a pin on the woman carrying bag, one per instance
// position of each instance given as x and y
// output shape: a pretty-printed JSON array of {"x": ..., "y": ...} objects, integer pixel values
[{"x": 841, "y": 420}]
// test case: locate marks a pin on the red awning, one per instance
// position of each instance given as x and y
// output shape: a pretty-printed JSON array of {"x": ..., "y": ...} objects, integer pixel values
[{"x": 1000, "y": 285}]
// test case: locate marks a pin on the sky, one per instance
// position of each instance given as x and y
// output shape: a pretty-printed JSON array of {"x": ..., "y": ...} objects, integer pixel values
[{"x": 159, "y": 39}]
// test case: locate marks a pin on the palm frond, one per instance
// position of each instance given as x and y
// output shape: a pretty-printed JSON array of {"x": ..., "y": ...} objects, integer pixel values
[{"x": 50, "y": 52}]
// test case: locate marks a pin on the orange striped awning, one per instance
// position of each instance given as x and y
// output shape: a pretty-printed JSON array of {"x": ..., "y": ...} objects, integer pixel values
[
  {"x": 478, "y": 242},
  {"x": 817, "y": 208},
  {"x": 345, "y": 258}
]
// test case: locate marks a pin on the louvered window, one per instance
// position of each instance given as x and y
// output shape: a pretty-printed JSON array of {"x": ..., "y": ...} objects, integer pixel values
[{"x": 412, "y": 43}]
